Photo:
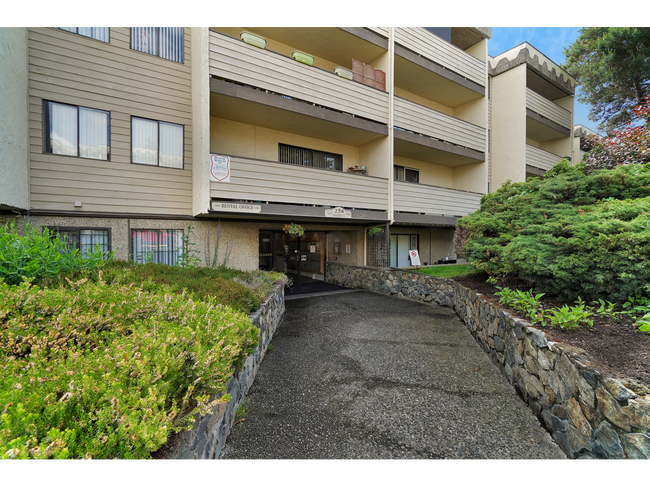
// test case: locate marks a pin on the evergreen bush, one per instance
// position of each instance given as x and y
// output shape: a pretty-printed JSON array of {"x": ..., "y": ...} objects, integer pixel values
[{"x": 572, "y": 234}]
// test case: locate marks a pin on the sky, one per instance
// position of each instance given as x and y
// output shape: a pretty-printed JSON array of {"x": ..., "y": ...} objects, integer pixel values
[{"x": 550, "y": 41}]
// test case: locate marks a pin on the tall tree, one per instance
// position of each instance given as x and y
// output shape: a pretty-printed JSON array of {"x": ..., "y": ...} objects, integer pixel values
[{"x": 612, "y": 65}]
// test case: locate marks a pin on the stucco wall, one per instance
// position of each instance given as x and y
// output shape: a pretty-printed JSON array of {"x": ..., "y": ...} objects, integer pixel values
[{"x": 14, "y": 125}]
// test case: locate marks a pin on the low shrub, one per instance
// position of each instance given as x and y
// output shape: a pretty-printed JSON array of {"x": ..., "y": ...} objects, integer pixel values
[
  {"x": 242, "y": 291},
  {"x": 572, "y": 234},
  {"x": 38, "y": 255},
  {"x": 108, "y": 371}
]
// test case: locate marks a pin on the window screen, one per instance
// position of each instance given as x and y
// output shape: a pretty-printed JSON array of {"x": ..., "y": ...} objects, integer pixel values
[{"x": 308, "y": 157}]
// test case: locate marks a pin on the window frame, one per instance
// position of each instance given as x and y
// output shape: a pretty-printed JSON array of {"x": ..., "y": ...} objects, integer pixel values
[
  {"x": 404, "y": 168},
  {"x": 158, "y": 149},
  {"x": 312, "y": 151},
  {"x": 47, "y": 140},
  {"x": 107, "y": 41},
  {"x": 158, "y": 232},
  {"x": 157, "y": 42},
  {"x": 58, "y": 229}
]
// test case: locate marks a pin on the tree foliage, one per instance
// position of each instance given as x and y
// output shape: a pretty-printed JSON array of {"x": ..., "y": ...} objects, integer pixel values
[
  {"x": 572, "y": 234},
  {"x": 612, "y": 65},
  {"x": 622, "y": 147}
]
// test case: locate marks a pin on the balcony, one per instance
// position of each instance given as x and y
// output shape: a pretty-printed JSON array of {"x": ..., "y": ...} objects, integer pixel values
[
  {"x": 428, "y": 45},
  {"x": 545, "y": 120},
  {"x": 275, "y": 182},
  {"x": 540, "y": 159},
  {"x": 433, "y": 200},
  {"x": 423, "y": 120},
  {"x": 234, "y": 60}
]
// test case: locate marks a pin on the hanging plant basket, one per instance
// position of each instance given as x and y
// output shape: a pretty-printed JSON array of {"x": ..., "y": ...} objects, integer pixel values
[
  {"x": 375, "y": 231},
  {"x": 294, "y": 229}
]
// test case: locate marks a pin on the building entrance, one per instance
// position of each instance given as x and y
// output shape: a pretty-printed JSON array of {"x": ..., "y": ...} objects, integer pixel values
[{"x": 304, "y": 256}]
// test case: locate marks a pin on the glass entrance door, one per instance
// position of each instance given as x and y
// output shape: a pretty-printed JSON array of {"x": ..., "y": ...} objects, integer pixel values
[{"x": 399, "y": 249}]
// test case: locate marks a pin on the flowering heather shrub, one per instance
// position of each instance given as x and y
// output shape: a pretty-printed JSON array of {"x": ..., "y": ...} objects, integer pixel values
[
  {"x": 622, "y": 147},
  {"x": 198, "y": 282},
  {"x": 108, "y": 371}
]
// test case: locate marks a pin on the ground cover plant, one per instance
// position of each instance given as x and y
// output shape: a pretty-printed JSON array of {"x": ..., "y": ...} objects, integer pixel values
[
  {"x": 109, "y": 371},
  {"x": 106, "y": 359}
]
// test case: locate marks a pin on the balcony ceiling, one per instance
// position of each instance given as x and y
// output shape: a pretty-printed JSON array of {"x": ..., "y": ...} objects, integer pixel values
[
  {"x": 420, "y": 81},
  {"x": 540, "y": 85},
  {"x": 540, "y": 132},
  {"x": 262, "y": 115},
  {"x": 410, "y": 150},
  {"x": 330, "y": 43}
]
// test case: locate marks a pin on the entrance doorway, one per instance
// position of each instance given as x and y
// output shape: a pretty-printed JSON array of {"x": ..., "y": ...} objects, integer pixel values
[
  {"x": 304, "y": 256},
  {"x": 399, "y": 249}
]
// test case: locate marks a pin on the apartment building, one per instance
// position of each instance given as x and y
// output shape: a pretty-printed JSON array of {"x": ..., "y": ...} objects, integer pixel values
[
  {"x": 531, "y": 114},
  {"x": 124, "y": 136}
]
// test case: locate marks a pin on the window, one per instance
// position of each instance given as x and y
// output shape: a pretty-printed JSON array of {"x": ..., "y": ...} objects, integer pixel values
[
  {"x": 401, "y": 173},
  {"x": 156, "y": 143},
  {"x": 164, "y": 42},
  {"x": 309, "y": 157},
  {"x": 76, "y": 131},
  {"x": 85, "y": 239},
  {"x": 160, "y": 246},
  {"x": 99, "y": 33}
]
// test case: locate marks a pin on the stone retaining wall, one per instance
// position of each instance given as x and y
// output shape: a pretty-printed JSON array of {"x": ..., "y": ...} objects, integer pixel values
[
  {"x": 589, "y": 412},
  {"x": 208, "y": 436}
]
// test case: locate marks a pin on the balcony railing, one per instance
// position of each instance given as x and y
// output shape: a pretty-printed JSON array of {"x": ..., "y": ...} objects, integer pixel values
[
  {"x": 441, "y": 52},
  {"x": 547, "y": 109},
  {"x": 540, "y": 159},
  {"x": 276, "y": 182},
  {"x": 434, "y": 200},
  {"x": 424, "y": 120},
  {"x": 235, "y": 60}
]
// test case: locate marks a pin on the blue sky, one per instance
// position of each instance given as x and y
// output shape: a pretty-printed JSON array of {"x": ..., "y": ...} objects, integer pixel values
[{"x": 550, "y": 41}]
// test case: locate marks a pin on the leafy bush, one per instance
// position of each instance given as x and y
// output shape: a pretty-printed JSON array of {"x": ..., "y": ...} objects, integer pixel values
[
  {"x": 572, "y": 234},
  {"x": 569, "y": 318},
  {"x": 40, "y": 255},
  {"x": 104, "y": 371},
  {"x": 622, "y": 147},
  {"x": 524, "y": 302}
]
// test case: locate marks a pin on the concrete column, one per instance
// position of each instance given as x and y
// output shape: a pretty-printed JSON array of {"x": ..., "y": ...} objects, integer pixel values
[
  {"x": 14, "y": 119},
  {"x": 200, "y": 120}
]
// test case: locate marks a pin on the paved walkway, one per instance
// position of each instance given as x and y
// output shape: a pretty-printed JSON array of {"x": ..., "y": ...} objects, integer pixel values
[{"x": 362, "y": 375}]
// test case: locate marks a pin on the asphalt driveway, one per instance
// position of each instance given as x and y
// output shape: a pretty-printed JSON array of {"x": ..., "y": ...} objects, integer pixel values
[{"x": 363, "y": 375}]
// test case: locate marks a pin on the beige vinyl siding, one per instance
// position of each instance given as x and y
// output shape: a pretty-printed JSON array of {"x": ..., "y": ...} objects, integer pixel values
[
  {"x": 540, "y": 158},
  {"x": 434, "y": 200},
  {"x": 235, "y": 60},
  {"x": 69, "y": 68},
  {"x": 382, "y": 31},
  {"x": 275, "y": 182},
  {"x": 547, "y": 109},
  {"x": 423, "y": 120},
  {"x": 441, "y": 52}
]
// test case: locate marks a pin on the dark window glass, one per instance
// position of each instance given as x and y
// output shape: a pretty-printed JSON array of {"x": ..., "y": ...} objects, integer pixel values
[
  {"x": 84, "y": 239},
  {"x": 309, "y": 157}
]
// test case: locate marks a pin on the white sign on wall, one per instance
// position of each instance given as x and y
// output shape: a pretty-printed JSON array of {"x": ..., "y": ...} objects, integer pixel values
[
  {"x": 415, "y": 258},
  {"x": 219, "y": 168},
  {"x": 338, "y": 212}
]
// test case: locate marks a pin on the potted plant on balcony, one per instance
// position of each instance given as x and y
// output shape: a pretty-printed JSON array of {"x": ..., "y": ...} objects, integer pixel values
[
  {"x": 375, "y": 231},
  {"x": 294, "y": 229}
]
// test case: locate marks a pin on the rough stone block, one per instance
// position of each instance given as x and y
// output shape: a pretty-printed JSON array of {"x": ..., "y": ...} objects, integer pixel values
[
  {"x": 608, "y": 406},
  {"x": 577, "y": 417},
  {"x": 608, "y": 441},
  {"x": 637, "y": 446},
  {"x": 573, "y": 442},
  {"x": 553, "y": 423},
  {"x": 617, "y": 390},
  {"x": 639, "y": 413}
]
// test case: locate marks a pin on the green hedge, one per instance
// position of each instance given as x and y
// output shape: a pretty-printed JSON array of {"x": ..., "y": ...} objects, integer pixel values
[{"x": 573, "y": 234}]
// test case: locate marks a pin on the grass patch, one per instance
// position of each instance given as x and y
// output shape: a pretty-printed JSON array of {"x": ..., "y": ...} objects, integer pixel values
[{"x": 451, "y": 270}]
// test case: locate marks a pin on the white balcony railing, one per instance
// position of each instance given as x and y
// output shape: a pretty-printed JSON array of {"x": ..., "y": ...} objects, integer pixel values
[
  {"x": 235, "y": 60},
  {"x": 547, "y": 109},
  {"x": 540, "y": 159},
  {"x": 424, "y": 120},
  {"x": 276, "y": 182},
  {"x": 434, "y": 200},
  {"x": 441, "y": 52}
]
